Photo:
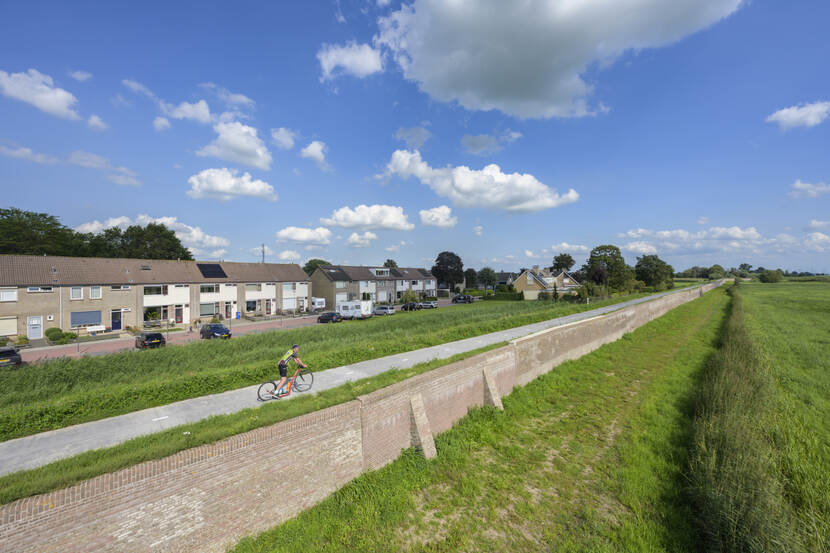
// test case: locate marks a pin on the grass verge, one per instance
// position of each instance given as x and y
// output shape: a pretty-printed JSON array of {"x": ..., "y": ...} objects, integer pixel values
[
  {"x": 586, "y": 458},
  {"x": 64, "y": 392},
  {"x": 66, "y": 472}
]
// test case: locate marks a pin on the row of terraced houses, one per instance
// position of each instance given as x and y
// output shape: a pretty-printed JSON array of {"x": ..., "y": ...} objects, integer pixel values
[{"x": 38, "y": 292}]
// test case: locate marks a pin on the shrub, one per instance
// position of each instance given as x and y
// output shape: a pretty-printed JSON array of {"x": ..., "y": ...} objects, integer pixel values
[
  {"x": 22, "y": 340},
  {"x": 544, "y": 296},
  {"x": 54, "y": 333},
  {"x": 770, "y": 276},
  {"x": 430, "y": 298},
  {"x": 505, "y": 297},
  {"x": 3, "y": 340},
  {"x": 214, "y": 320}
]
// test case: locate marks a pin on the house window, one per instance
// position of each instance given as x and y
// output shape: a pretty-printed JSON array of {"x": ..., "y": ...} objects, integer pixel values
[
  {"x": 119, "y": 287},
  {"x": 232, "y": 285},
  {"x": 95, "y": 292},
  {"x": 207, "y": 309},
  {"x": 76, "y": 293},
  {"x": 289, "y": 286},
  {"x": 414, "y": 283},
  {"x": 253, "y": 287},
  {"x": 340, "y": 284},
  {"x": 182, "y": 286},
  {"x": 209, "y": 288},
  {"x": 251, "y": 306},
  {"x": 36, "y": 289},
  {"x": 155, "y": 290},
  {"x": 402, "y": 282},
  {"x": 8, "y": 294}
]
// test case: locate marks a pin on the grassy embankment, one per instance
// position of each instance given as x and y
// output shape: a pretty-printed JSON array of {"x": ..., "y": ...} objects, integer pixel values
[
  {"x": 590, "y": 456},
  {"x": 69, "y": 471},
  {"x": 64, "y": 392},
  {"x": 761, "y": 459}
]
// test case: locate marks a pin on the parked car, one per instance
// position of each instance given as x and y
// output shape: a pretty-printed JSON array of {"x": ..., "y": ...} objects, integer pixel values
[
  {"x": 384, "y": 310},
  {"x": 330, "y": 317},
  {"x": 411, "y": 306},
  {"x": 462, "y": 298},
  {"x": 214, "y": 330},
  {"x": 429, "y": 305},
  {"x": 150, "y": 340},
  {"x": 9, "y": 357}
]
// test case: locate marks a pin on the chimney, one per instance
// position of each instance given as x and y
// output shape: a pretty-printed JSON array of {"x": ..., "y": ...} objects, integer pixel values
[{"x": 535, "y": 270}]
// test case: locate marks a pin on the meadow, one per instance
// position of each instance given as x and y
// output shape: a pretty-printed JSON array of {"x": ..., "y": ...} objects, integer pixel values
[
  {"x": 64, "y": 392},
  {"x": 589, "y": 457}
]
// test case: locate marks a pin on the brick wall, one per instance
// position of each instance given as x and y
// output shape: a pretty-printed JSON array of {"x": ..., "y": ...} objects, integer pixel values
[{"x": 207, "y": 498}]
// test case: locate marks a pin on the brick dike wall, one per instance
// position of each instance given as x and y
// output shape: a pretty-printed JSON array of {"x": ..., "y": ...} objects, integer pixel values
[{"x": 208, "y": 497}]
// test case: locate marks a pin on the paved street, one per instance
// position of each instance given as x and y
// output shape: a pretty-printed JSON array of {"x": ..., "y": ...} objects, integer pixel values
[{"x": 40, "y": 449}]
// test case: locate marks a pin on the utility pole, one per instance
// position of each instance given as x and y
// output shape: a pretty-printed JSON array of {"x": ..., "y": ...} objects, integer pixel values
[{"x": 263, "y": 253}]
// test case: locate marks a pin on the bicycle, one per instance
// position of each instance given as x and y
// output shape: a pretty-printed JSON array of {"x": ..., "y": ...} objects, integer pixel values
[{"x": 301, "y": 382}]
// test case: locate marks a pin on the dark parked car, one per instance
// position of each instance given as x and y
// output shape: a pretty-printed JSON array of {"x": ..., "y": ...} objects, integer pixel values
[
  {"x": 462, "y": 298},
  {"x": 411, "y": 306},
  {"x": 214, "y": 330},
  {"x": 329, "y": 317},
  {"x": 150, "y": 340},
  {"x": 9, "y": 358}
]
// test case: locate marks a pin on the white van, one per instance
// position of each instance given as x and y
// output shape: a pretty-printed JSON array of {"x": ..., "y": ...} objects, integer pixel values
[
  {"x": 318, "y": 304},
  {"x": 354, "y": 309}
]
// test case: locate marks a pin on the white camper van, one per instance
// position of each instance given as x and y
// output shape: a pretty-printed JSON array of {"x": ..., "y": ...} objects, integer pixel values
[
  {"x": 318, "y": 304},
  {"x": 354, "y": 309}
]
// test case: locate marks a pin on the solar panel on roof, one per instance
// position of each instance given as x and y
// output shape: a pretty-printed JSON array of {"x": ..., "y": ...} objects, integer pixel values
[{"x": 211, "y": 270}]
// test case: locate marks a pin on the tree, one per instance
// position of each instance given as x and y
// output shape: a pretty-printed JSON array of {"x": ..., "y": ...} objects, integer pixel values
[
  {"x": 312, "y": 264},
  {"x": 487, "y": 277},
  {"x": 563, "y": 262},
  {"x": 390, "y": 264},
  {"x": 745, "y": 267},
  {"x": 715, "y": 272},
  {"x": 471, "y": 278},
  {"x": 448, "y": 268},
  {"x": 409, "y": 296},
  {"x": 155, "y": 241},
  {"x": 555, "y": 292},
  {"x": 770, "y": 276},
  {"x": 606, "y": 266},
  {"x": 654, "y": 271},
  {"x": 30, "y": 233}
]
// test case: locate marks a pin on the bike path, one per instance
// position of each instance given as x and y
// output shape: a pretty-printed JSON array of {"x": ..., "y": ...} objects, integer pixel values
[{"x": 40, "y": 449}]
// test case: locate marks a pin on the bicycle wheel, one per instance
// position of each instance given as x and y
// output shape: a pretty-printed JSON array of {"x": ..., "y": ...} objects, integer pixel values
[
  {"x": 266, "y": 391},
  {"x": 304, "y": 380}
]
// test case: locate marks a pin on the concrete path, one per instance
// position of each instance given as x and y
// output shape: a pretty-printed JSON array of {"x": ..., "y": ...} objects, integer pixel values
[{"x": 40, "y": 449}]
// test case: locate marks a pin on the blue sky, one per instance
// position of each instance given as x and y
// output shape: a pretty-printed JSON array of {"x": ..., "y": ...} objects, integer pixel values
[{"x": 361, "y": 130}]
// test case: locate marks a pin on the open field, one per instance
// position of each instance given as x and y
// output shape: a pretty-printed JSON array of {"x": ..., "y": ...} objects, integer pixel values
[
  {"x": 69, "y": 391},
  {"x": 588, "y": 457}
]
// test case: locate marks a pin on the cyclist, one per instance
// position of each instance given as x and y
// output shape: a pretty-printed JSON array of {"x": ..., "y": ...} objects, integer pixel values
[{"x": 293, "y": 353}]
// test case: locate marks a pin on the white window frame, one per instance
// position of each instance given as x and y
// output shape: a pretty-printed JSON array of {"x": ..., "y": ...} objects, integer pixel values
[
  {"x": 72, "y": 292},
  {"x": 119, "y": 287},
  {"x": 39, "y": 289},
  {"x": 339, "y": 284},
  {"x": 8, "y": 294},
  {"x": 92, "y": 293}
]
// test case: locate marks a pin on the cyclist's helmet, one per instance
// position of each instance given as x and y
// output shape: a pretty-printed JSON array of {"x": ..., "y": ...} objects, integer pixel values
[{"x": 295, "y": 346}]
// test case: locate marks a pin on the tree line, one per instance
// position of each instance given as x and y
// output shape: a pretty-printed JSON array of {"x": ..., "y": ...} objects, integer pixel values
[{"x": 31, "y": 233}]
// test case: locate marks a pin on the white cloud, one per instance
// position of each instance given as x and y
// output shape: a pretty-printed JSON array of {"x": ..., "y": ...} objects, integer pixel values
[
  {"x": 369, "y": 217},
  {"x": 817, "y": 241},
  {"x": 118, "y": 174},
  {"x": 289, "y": 255},
  {"x": 233, "y": 99},
  {"x": 800, "y": 189},
  {"x": 640, "y": 247},
  {"x": 802, "y": 115},
  {"x": 480, "y": 144},
  {"x": 477, "y": 230},
  {"x": 197, "y": 111},
  {"x": 510, "y": 136},
  {"x": 528, "y": 59},
  {"x": 316, "y": 151},
  {"x": 414, "y": 137},
  {"x": 361, "y": 240},
  {"x": 238, "y": 143},
  {"x": 27, "y": 154},
  {"x": 225, "y": 184},
  {"x": 139, "y": 88},
  {"x": 564, "y": 247},
  {"x": 80, "y": 75},
  {"x": 161, "y": 123},
  {"x": 39, "y": 90},
  {"x": 358, "y": 60},
  {"x": 319, "y": 236},
  {"x": 488, "y": 188},
  {"x": 530, "y": 254},
  {"x": 815, "y": 224},
  {"x": 193, "y": 238},
  {"x": 440, "y": 216},
  {"x": 395, "y": 247},
  {"x": 258, "y": 251},
  {"x": 283, "y": 138},
  {"x": 738, "y": 233},
  {"x": 702, "y": 220},
  {"x": 97, "y": 123}
]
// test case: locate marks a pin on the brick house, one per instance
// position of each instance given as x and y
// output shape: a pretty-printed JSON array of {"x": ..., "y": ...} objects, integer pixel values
[
  {"x": 338, "y": 283},
  {"x": 39, "y": 292},
  {"x": 532, "y": 281}
]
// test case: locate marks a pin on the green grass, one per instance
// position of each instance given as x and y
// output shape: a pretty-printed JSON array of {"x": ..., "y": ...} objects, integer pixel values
[
  {"x": 789, "y": 323},
  {"x": 69, "y": 471},
  {"x": 64, "y": 392},
  {"x": 588, "y": 457}
]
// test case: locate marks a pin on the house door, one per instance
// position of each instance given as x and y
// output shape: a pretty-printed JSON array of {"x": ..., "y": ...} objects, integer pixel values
[
  {"x": 34, "y": 330},
  {"x": 267, "y": 307},
  {"x": 228, "y": 310},
  {"x": 115, "y": 319},
  {"x": 179, "y": 314}
]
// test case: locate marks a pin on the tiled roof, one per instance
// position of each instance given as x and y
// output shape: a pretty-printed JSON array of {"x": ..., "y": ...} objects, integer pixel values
[
  {"x": 35, "y": 270},
  {"x": 350, "y": 273}
]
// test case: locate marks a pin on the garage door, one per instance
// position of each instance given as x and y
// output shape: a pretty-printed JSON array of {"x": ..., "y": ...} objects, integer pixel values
[
  {"x": 341, "y": 297},
  {"x": 8, "y": 326},
  {"x": 289, "y": 303},
  {"x": 382, "y": 296}
]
